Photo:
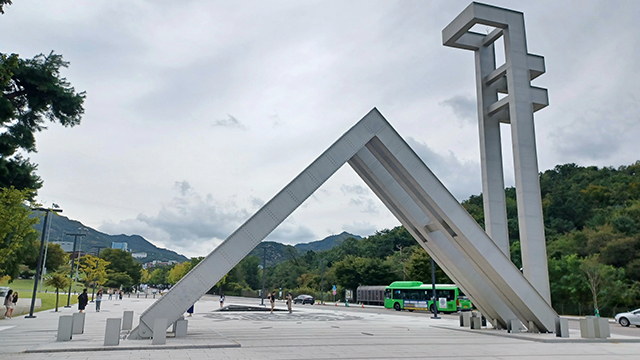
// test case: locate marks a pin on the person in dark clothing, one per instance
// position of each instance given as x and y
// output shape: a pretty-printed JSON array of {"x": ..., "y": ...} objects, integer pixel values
[{"x": 83, "y": 299}]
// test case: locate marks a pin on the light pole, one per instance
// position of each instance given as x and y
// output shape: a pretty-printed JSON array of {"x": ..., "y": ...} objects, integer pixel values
[
  {"x": 94, "y": 275},
  {"x": 264, "y": 271},
  {"x": 433, "y": 284},
  {"x": 322, "y": 281},
  {"x": 75, "y": 240},
  {"x": 35, "y": 283}
]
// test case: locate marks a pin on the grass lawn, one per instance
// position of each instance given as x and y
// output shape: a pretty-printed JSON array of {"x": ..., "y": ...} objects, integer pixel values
[{"x": 24, "y": 287}]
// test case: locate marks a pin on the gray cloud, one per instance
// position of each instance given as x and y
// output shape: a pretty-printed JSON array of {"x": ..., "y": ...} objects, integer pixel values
[
  {"x": 230, "y": 122},
  {"x": 354, "y": 189},
  {"x": 465, "y": 108},
  {"x": 462, "y": 178}
]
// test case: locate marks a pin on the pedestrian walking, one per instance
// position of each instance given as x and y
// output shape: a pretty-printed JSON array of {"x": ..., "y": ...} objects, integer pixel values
[
  {"x": 272, "y": 298},
  {"x": 110, "y": 292},
  {"x": 190, "y": 311},
  {"x": 121, "y": 293},
  {"x": 83, "y": 299},
  {"x": 222, "y": 298},
  {"x": 98, "y": 300},
  {"x": 8, "y": 303},
  {"x": 289, "y": 301}
]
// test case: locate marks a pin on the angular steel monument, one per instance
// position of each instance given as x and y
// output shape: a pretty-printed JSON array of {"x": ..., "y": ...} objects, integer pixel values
[{"x": 479, "y": 264}]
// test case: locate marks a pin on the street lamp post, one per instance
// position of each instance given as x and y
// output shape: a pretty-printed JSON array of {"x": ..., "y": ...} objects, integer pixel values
[
  {"x": 322, "y": 281},
  {"x": 433, "y": 284},
  {"x": 94, "y": 275},
  {"x": 75, "y": 240},
  {"x": 264, "y": 271},
  {"x": 35, "y": 283}
]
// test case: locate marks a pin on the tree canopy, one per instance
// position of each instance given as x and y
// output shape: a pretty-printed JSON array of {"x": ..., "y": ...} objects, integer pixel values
[
  {"x": 33, "y": 93},
  {"x": 18, "y": 239}
]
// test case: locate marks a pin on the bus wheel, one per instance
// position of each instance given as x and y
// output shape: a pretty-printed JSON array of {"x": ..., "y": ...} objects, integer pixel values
[{"x": 397, "y": 306}]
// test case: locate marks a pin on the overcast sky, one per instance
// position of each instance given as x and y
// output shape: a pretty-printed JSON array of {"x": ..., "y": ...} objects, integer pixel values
[{"x": 198, "y": 112}]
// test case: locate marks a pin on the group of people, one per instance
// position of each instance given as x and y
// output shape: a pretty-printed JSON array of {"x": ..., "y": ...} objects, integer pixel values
[
  {"x": 83, "y": 298},
  {"x": 272, "y": 299},
  {"x": 10, "y": 302}
]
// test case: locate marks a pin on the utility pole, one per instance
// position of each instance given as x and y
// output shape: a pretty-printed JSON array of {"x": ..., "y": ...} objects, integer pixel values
[
  {"x": 35, "y": 282},
  {"x": 322, "y": 281},
  {"x": 94, "y": 275},
  {"x": 46, "y": 249},
  {"x": 433, "y": 287},
  {"x": 75, "y": 240},
  {"x": 264, "y": 271}
]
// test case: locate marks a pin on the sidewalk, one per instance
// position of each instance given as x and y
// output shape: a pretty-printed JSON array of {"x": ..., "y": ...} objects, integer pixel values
[{"x": 311, "y": 332}]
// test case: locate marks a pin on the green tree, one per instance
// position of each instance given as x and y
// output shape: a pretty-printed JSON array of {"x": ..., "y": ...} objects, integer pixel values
[
  {"x": 178, "y": 272},
  {"x": 250, "y": 271},
  {"x": 94, "y": 268},
  {"x": 17, "y": 236},
  {"x": 145, "y": 277},
  {"x": 602, "y": 281},
  {"x": 33, "y": 92},
  {"x": 118, "y": 279},
  {"x": 56, "y": 257},
  {"x": 121, "y": 261},
  {"x": 59, "y": 280}
]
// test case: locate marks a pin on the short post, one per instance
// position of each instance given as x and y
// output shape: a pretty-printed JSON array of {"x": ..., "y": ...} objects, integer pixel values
[
  {"x": 180, "y": 328},
  {"x": 587, "y": 327},
  {"x": 127, "y": 320},
  {"x": 514, "y": 326},
  {"x": 112, "y": 332},
  {"x": 476, "y": 322},
  {"x": 562, "y": 327},
  {"x": 465, "y": 319},
  {"x": 602, "y": 329},
  {"x": 159, "y": 332},
  {"x": 65, "y": 327},
  {"x": 78, "y": 323}
]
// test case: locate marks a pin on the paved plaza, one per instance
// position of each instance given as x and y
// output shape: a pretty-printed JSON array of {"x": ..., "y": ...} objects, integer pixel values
[{"x": 311, "y": 332}]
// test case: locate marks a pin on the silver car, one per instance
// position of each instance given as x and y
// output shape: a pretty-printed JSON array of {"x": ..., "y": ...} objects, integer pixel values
[{"x": 629, "y": 318}]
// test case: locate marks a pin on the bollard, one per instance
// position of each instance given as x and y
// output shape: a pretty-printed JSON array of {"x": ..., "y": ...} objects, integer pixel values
[
  {"x": 112, "y": 332},
  {"x": 601, "y": 328},
  {"x": 476, "y": 323},
  {"x": 154, "y": 295},
  {"x": 138, "y": 295},
  {"x": 465, "y": 319},
  {"x": 146, "y": 296},
  {"x": 127, "y": 320},
  {"x": 159, "y": 332},
  {"x": 65, "y": 327},
  {"x": 78, "y": 323},
  {"x": 562, "y": 327},
  {"x": 587, "y": 327},
  {"x": 180, "y": 328},
  {"x": 514, "y": 326}
]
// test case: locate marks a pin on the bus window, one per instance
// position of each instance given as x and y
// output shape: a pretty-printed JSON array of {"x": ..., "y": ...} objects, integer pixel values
[
  {"x": 387, "y": 293},
  {"x": 448, "y": 294},
  {"x": 398, "y": 294}
]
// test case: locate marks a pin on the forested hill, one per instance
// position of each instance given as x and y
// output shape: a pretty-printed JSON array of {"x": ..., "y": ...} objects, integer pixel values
[
  {"x": 61, "y": 225},
  {"x": 592, "y": 224},
  {"x": 327, "y": 243},
  {"x": 592, "y": 220}
]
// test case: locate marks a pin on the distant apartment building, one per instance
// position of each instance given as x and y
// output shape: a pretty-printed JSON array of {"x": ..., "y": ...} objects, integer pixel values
[
  {"x": 120, "y": 245},
  {"x": 139, "y": 255},
  {"x": 67, "y": 246}
]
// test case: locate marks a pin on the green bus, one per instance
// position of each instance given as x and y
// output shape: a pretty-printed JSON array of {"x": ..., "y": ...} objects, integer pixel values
[{"x": 414, "y": 295}]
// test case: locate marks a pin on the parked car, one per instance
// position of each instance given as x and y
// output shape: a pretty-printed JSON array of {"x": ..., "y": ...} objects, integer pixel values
[
  {"x": 3, "y": 292},
  {"x": 304, "y": 299},
  {"x": 629, "y": 318}
]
